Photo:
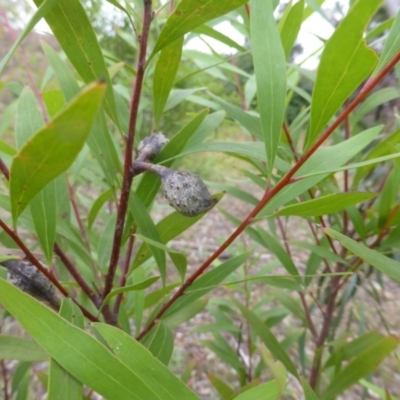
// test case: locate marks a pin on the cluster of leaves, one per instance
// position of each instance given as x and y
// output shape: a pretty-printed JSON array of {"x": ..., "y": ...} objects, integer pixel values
[{"x": 70, "y": 187}]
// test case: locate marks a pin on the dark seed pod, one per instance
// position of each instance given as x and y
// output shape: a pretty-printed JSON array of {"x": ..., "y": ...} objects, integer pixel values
[
  {"x": 151, "y": 146},
  {"x": 29, "y": 279},
  {"x": 185, "y": 192}
]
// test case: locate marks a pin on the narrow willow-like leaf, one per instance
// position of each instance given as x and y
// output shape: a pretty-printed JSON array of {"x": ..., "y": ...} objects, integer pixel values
[
  {"x": 392, "y": 45},
  {"x": 207, "y": 282},
  {"x": 265, "y": 391},
  {"x": 79, "y": 353},
  {"x": 208, "y": 31},
  {"x": 147, "y": 228},
  {"x": 147, "y": 367},
  {"x": 189, "y": 15},
  {"x": 324, "y": 205},
  {"x": 44, "y": 205},
  {"x": 325, "y": 158},
  {"x": 382, "y": 263},
  {"x": 97, "y": 205},
  {"x": 164, "y": 75},
  {"x": 308, "y": 392},
  {"x": 270, "y": 72},
  {"x": 130, "y": 288},
  {"x": 160, "y": 342},
  {"x": 53, "y": 149},
  {"x": 73, "y": 30},
  {"x": 345, "y": 63},
  {"x": 41, "y": 12},
  {"x": 291, "y": 26},
  {"x": 354, "y": 348},
  {"x": 15, "y": 348},
  {"x": 61, "y": 384},
  {"x": 179, "y": 259},
  {"x": 99, "y": 140},
  {"x": 268, "y": 338},
  {"x": 361, "y": 366},
  {"x": 223, "y": 389}
]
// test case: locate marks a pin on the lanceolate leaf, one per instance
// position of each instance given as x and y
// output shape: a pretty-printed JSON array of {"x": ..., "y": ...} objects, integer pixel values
[
  {"x": 15, "y": 348},
  {"x": 270, "y": 72},
  {"x": 268, "y": 338},
  {"x": 83, "y": 356},
  {"x": 190, "y": 14},
  {"x": 147, "y": 368},
  {"x": 361, "y": 366},
  {"x": 74, "y": 32},
  {"x": 266, "y": 391},
  {"x": 53, "y": 149},
  {"x": 392, "y": 45},
  {"x": 345, "y": 63},
  {"x": 291, "y": 26},
  {"x": 164, "y": 75},
  {"x": 42, "y": 11},
  {"x": 382, "y": 263},
  {"x": 325, "y": 205}
]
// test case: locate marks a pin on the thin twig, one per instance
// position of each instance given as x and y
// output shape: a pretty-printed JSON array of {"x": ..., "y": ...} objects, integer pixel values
[
  {"x": 5, "y": 379},
  {"x": 269, "y": 194},
  {"x": 127, "y": 179},
  {"x": 125, "y": 270},
  {"x": 4, "y": 169}
]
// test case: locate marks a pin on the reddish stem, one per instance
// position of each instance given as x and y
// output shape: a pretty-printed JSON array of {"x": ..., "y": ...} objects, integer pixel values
[
  {"x": 269, "y": 194},
  {"x": 125, "y": 270},
  {"x": 127, "y": 179},
  {"x": 5, "y": 379},
  {"x": 33, "y": 260},
  {"x": 4, "y": 169}
]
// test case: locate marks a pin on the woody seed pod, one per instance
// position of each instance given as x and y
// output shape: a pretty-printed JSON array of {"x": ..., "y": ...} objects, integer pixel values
[
  {"x": 29, "y": 279},
  {"x": 185, "y": 192},
  {"x": 151, "y": 146}
]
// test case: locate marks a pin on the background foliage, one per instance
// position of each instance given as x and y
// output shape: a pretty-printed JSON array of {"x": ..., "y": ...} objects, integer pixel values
[{"x": 295, "y": 298}]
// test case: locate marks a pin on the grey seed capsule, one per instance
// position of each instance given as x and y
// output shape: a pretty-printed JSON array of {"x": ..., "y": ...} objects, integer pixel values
[
  {"x": 151, "y": 146},
  {"x": 185, "y": 192},
  {"x": 29, "y": 279}
]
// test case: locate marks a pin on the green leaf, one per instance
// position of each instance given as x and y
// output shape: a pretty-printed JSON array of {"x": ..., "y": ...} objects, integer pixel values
[
  {"x": 148, "y": 368},
  {"x": 268, "y": 339},
  {"x": 15, "y": 348},
  {"x": 208, "y": 31},
  {"x": 179, "y": 259},
  {"x": 207, "y": 282},
  {"x": 354, "y": 348},
  {"x": 308, "y": 392},
  {"x": 41, "y": 12},
  {"x": 164, "y": 75},
  {"x": 189, "y": 15},
  {"x": 223, "y": 389},
  {"x": 392, "y": 46},
  {"x": 266, "y": 391},
  {"x": 291, "y": 26},
  {"x": 82, "y": 355},
  {"x": 99, "y": 140},
  {"x": 52, "y": 150},
  {"x": 130, "y": 288},
  {"x": 97, "y": 205},
  {"x": 43, "y": 206},
  {"x": 382, "y": 263},
  {"x": 160, "y": 342},
  {"x": 61, "y": 384},
  {"x": 345, "y": 63},
  {"x": 270, "y": 71},
  {"x": 324, "y": 205},
  {"x": 147, "y": 228},
  {"x": 75, "y": 34},
  {"x": 361, "y": 366},
  {"x": 325, "y": 158}
]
